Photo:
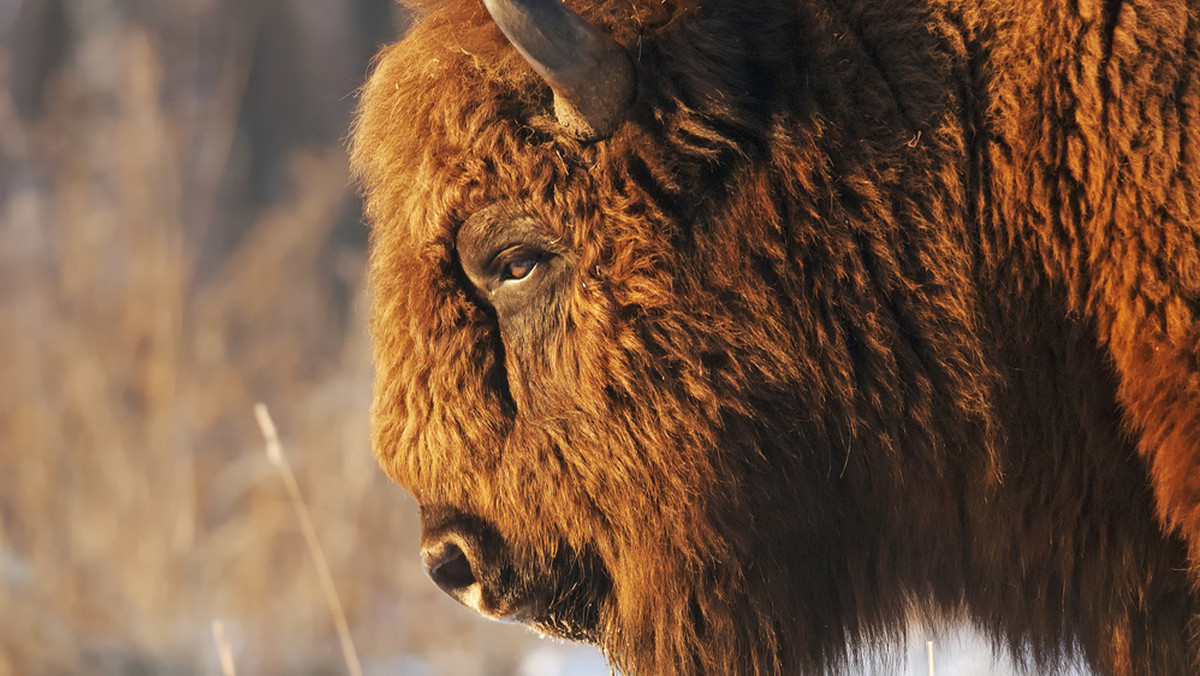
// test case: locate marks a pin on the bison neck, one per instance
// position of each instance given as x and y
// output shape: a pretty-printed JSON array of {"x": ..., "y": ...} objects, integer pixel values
[{"x": 962, "y": 443}]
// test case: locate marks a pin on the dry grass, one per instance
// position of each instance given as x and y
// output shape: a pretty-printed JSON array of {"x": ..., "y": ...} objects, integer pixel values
[{"x": 136, "y": 504}]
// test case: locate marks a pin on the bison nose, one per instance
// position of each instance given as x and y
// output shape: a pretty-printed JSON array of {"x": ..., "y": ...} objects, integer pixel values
[
  {"x": 448, "y": 563},
  {"x": 448, "y": 567}
]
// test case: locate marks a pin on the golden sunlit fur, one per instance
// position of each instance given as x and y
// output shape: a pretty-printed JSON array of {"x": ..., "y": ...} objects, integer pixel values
[{"x": 878, "y": 307}]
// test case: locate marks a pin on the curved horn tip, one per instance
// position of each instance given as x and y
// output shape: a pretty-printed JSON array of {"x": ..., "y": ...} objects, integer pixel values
[{"x": 591, "y": 75}]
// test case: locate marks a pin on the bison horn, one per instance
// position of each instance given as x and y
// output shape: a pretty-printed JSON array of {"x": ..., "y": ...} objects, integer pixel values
[{"x": 591, "y": 75}]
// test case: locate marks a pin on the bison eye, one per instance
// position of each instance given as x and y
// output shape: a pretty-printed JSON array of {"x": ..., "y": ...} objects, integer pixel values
[
  {"x": 516, "y": 270},
  {"x": 511, "y": 259}
]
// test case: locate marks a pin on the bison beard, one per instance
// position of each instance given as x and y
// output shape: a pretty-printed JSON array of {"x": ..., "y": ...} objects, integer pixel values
[{"x": 843, "y": 312}]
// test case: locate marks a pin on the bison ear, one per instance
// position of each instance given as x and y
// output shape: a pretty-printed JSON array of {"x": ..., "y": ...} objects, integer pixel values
[{"x": 591, "y": 75}]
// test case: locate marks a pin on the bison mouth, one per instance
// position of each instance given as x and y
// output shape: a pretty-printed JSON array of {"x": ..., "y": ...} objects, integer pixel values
[{"x": 553, "y": 588}]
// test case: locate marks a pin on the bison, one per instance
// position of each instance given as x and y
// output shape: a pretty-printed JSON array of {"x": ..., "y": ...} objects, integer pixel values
[{"x": 731, "y": 335}]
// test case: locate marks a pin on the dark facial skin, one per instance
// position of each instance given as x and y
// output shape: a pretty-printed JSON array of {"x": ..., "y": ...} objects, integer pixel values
[{"x": 521, "y": 271}]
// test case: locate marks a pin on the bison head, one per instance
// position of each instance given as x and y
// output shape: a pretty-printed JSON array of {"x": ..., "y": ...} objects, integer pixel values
[{"x": 659, "y": 349}]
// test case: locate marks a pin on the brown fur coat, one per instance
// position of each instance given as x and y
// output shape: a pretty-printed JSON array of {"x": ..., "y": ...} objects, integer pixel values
[{"x": 876, "y": 307}]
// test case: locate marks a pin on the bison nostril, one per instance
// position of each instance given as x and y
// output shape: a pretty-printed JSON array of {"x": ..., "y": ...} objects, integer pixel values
[{"x": 449, "y": 568}]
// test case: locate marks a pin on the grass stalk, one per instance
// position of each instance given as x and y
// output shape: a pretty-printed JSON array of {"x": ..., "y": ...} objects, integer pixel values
[
  {"x": 224, "y": 652},
  {"x": 276, "y": 456}
]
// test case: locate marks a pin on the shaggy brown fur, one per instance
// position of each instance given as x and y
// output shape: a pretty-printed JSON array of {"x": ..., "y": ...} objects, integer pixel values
[{"x": 871, "y": 307}]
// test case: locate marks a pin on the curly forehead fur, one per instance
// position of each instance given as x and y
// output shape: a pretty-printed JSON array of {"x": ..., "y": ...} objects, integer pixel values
[{"x": 876, "y": 308}]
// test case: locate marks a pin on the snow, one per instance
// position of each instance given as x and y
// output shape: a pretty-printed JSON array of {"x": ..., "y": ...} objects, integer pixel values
[{"x": 960, "y": 652}]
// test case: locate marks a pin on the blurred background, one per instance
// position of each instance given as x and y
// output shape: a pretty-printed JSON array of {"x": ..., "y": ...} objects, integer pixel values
[{"x": 179, "y": 239}]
